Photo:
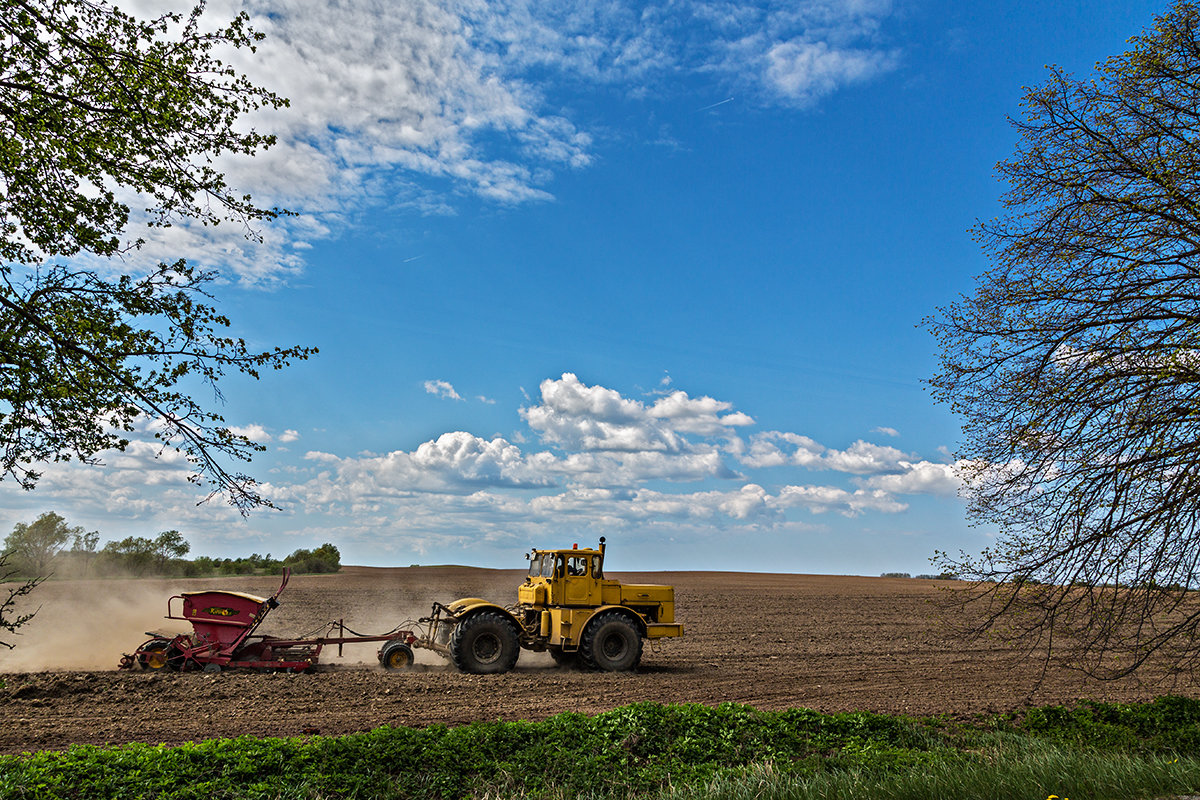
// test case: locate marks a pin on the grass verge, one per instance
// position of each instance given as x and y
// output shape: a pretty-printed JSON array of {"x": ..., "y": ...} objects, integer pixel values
[{"x": 1092, "y": 750}]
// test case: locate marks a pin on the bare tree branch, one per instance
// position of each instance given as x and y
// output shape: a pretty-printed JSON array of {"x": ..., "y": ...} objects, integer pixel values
[
  {"x": 10, "y": 620},
  {"x": 1075, "y": 366}
]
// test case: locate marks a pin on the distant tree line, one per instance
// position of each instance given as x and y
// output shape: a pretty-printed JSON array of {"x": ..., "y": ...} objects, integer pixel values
[{"x": 48, "y": 545}]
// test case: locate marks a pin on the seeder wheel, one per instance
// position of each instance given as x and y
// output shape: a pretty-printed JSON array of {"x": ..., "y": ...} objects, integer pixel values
[
  {"x": 157, "y": 654},
  {"x": 396, "y": 655}
]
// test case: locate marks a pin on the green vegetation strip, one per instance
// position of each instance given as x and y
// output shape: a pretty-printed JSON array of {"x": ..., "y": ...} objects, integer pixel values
[{"x": 646, "y": 750}]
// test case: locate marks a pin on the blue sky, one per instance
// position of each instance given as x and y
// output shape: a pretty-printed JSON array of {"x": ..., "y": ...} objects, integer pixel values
[{"x": 652, "y": 272}]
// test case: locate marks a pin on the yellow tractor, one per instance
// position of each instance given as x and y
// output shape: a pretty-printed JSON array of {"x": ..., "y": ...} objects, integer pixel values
[{"x": 565, "y": 607}]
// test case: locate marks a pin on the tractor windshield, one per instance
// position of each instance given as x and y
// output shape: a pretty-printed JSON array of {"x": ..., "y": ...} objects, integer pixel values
[{"x": 542, "y": 566}]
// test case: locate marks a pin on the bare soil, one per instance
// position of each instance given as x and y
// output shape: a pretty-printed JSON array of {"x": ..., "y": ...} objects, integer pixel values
[{"x": 831, "y": 643}]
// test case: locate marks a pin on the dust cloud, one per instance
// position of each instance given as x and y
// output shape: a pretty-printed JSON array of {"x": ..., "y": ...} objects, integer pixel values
[
  {"x": 88, "y": 625},
  {"x": 405, "y": 618},
  {"x": 376, "y": 622}
]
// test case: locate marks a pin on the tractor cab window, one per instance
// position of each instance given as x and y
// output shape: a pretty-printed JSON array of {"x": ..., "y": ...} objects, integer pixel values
[
  {"x": 577, "y": 565},
  {"x": 597, "y": 572},
  {"x": 542, "y": 566}
]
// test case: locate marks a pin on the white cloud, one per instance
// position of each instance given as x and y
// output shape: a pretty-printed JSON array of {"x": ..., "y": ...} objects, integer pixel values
[
  {"x": 454, "y": 463},
  {"x": 922, "y": 477},
  {"x": 699, "y": 415},
  {"x": 609, "y": 449},
  {"x": 863, "y": 458},
  {"x": 575, "y": 416},
  {"x": 253, "y": 432},
  {"x": 806, "y": 71},
  {"x": 598, "y": 459},
  {"x": 820, "y": 499},
  {"x": 408, "y": 105},
  {"x": 750, "y": 500},
  {"x": 775, "y": 448},
  {"x": 442, "y": 389},
  {"x": 886, "y": 431}
]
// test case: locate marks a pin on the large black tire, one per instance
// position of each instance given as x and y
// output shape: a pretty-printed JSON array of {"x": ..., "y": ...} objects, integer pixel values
[
  {"x": 158, "y": 654},
  {"x": 611, "y": 642},
  {"x": 486, "y": 643},
  {"x": 396, "y": 655}
]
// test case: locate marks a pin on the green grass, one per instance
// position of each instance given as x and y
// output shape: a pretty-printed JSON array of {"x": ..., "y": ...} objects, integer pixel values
[
  {"x": 1014, "y": 768},
  {"x": 1092, "y": 750}
]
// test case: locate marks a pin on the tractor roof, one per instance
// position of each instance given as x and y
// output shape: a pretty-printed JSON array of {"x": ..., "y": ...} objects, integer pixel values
[{"x": 571, "y": 551}]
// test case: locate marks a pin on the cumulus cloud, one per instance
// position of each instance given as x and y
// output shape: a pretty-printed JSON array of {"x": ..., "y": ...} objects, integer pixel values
[
  {"x": 820, "y": 499},
  {"x": 775, "y": 448},
  {"x": 603, "y": 452},
  {"x": 593, "y": 456},
  {"x": 575, "y": 416},
  {"x": 454, "y": 463},
  {"x": 254, "y": 432},
  {"x": 863, "y": 458},
  {"x": 922, "y": 477}
]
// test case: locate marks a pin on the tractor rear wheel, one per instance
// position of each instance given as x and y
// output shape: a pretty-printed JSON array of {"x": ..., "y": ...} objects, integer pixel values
[
  {"x": 486, "y": 643},
  {"x": 611, "y": 642},
  {"x": 158, "y": 654},
  {"x": 396, "y": 655}
]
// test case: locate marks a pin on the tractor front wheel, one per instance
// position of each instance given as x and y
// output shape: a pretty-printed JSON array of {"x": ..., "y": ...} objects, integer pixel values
[
  {"x": 611, "y": 642},
  {"x": 486, "y": 643},
  {"x": 396, "y": 655}
]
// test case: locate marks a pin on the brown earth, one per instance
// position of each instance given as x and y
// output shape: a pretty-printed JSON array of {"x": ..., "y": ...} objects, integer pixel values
[{"x": 831, "y": 643}]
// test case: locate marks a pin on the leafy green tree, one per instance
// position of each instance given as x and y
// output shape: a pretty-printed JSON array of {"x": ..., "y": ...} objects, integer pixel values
[
  {"x": 35, "y": 545},
  {"x": 325, "y": 558},
  {"x": 1075, "y": 366},
  {"x": 140, "y": 555},
  {"x": 97, "y": 107},
  {"x": 168, "y": 546},
  {"x": 133, "y": 555}
]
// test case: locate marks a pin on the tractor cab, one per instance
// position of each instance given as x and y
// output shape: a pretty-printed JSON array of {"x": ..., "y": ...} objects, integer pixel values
[{"x": 564, "y": 577}]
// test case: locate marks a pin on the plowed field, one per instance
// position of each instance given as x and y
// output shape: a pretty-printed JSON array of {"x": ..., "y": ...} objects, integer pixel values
[{"x": 772, "y": 641}]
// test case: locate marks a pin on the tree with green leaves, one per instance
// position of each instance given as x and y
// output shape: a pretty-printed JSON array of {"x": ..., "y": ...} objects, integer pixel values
[
  {"x": 326, "y": 558},
  {"x": 141, "y": 555},
  {"x": 99, "y": 109},
  {"x": 170, "y": 546},
  {"x": 1075, "y": 366},
  {"x": 35, "y": 545}
]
